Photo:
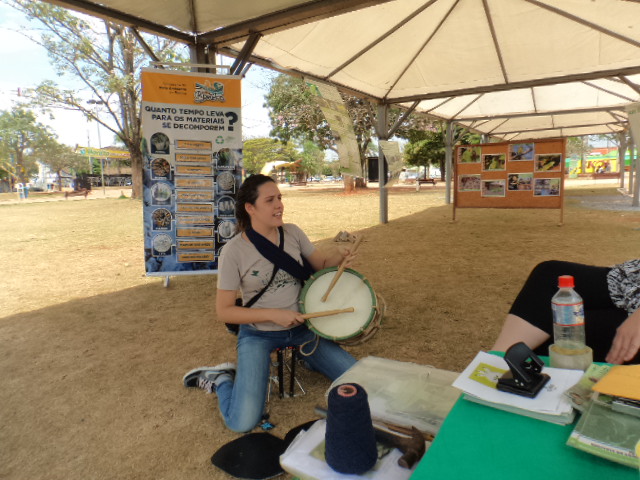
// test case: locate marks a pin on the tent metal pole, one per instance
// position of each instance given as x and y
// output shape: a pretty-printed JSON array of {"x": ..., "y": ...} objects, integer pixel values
[
  {"x": 636, "y": 186},
  {"x": 622, "y": 146},
  {"x": 383, "y": 134},
  {"x": 448, "y": 152}
]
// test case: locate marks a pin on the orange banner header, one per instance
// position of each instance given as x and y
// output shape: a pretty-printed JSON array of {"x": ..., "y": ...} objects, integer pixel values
[{"x": 191, "y": 89}]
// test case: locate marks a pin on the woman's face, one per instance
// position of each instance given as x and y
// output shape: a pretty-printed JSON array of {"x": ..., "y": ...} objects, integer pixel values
[{"x": 268, "y": 209}]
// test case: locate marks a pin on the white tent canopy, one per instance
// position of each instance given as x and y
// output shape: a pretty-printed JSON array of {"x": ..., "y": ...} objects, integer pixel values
[{"x": 510, "y": 68}]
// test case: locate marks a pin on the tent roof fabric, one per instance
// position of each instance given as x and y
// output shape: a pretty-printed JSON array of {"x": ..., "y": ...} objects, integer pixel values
[{"x": 510, "y": 68}]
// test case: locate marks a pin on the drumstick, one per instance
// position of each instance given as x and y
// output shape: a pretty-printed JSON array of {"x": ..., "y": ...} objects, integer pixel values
[
  {"x": 340, "y": 270},
  {"x": 327, "y": 313}
]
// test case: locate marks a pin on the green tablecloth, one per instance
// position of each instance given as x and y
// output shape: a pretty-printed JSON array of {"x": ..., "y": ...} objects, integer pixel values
[{"x": 479, "y": 442}]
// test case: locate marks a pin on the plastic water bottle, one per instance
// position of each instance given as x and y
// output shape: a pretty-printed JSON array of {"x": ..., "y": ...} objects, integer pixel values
[
  {"x": 569, "y": 350},
  {"x": 568, "y": 317}
]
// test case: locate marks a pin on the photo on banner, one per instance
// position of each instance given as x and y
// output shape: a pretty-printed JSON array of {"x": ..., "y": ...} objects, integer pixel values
[
  {"x": 393, "y": 157},
  {"x": 335, "y": 112},
  {"x": 192, "y": 168}
]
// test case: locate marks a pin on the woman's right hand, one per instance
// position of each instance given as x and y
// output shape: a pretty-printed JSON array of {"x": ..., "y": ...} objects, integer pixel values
[{"x": 287, "y": 318}]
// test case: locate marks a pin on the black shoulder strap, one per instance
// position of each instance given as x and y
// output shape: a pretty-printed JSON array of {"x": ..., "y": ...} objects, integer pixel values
[
  {"x": 279, "y": 257},
  {"x": 257, "y": 296}
]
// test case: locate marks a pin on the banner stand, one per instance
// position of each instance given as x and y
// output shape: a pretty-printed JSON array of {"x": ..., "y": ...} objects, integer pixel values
[{"x": 192, "y": 169}]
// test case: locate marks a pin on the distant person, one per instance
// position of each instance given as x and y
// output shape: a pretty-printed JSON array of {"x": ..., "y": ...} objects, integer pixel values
[{"x": 611, "y": 298}]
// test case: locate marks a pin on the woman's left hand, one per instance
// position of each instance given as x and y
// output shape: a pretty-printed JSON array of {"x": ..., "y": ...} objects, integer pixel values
[
  {"x": 626, "y": 343},
  {"x": 347, "y": 256}
]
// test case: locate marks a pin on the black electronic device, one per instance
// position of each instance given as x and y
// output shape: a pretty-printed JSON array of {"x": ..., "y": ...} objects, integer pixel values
[{"x": 524, "y": 377}]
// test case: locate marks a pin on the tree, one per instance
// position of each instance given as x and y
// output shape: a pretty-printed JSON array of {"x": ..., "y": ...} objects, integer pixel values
[
  {"x": 62, "y": 157},
  {"x": 106, "y": 59},
  {"x": 22, "y": 141},
  {"x": 257, "y": 152},
  {"x": 579, "y": 147},
  {"x": 295, "y": 115},
  {"x": 427, "y": 147},
  {"x": 312, "y": 159}
]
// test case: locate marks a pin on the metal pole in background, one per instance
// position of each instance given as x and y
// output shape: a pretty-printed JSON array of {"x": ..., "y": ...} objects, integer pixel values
[
  {"x": 636, "y": 186},
  {"x": 382, "y": 132},
  {"x": 448, "y": 149},
  {"x": 95, "y": 104}
]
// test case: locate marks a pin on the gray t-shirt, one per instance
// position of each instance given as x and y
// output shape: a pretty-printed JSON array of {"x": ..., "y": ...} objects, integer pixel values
[{"x": 241, "y": 267}]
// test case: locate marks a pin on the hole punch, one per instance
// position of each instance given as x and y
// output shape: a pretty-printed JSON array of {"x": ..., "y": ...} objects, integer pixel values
[{"x": 524, "y": 377}]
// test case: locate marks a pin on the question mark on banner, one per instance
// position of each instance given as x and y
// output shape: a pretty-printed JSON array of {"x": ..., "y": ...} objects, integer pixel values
[{"x": 233, "y": 118}]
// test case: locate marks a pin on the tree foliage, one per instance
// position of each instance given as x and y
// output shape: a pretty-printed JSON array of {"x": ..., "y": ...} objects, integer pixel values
[
  {"x": 427, "y": 147},
  {"x": 23, "y": 141},
  {"x": 295, "y": 116},
  {"x": 106, "y": 59},
  {"x": 60, "y": 158},
  {"x": 578, "y": 147},
  {"x": 257, "y": 152}
]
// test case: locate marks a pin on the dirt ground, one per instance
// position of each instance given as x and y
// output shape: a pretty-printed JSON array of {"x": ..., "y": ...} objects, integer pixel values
[{"x": 92, "y": 352}]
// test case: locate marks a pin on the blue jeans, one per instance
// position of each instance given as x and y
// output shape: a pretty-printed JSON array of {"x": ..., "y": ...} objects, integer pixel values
[{"x": 242, "y": 401}]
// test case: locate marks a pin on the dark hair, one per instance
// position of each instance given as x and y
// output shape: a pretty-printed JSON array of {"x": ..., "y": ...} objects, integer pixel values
[{"x": 248, "y": 193}]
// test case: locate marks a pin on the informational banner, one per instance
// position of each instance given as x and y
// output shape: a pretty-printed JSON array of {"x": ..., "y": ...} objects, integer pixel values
[
  {"x": 332, "y": 106},
  {"x": 392, "y": 155},
  {"x": 192, "y": 148},
  {"x": 633, "y": 111}
]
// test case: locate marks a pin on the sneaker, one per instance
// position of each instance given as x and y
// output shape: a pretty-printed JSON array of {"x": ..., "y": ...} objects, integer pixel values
[{"x": 209, "y": 378}]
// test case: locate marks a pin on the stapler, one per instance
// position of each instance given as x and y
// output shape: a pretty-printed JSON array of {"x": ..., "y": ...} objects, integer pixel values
[{"x": 524, "y": 377}]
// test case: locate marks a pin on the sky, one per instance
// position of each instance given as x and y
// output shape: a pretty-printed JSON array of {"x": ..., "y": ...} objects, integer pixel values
[{"x": 24, "y": 64}]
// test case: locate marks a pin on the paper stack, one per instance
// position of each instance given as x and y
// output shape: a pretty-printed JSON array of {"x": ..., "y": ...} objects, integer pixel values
[{"x": 478, "y": 381}]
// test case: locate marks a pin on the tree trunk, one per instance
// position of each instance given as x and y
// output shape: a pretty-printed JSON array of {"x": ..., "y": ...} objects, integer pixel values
[
  {"x": 349, "y": 183},
  {"x": 136, "y": 173}
]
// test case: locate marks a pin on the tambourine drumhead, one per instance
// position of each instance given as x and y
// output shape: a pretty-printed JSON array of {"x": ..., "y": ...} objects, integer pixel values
[{"x": 351, "y": 290}]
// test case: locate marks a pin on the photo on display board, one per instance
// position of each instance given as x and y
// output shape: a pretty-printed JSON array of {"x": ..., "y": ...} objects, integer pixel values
[
  {"x": 162, "y": 244},
  {"x": 549, "y": 162},
  {"x": 520, "y": 182},
  {"x": 469, "y": 154},
  {"x": 161, "y": 218},
  {"x": 546, "y": 187},
  {"x": 226, "y": 182},
  {"x": 493, "y": 188},
  {"x": 160, "y": 168},
  {"x": 493, "y": 162},
  {"x": 225, "y": 158},
  {"x": 469, "y": 183},
  {"x": 226, "y": 206},
  {"x": 160, "y": 143},
  {"x": 521, "y": 151},
  {"x": 161, "y": 194},
  {"x": 226, "y": 230}
]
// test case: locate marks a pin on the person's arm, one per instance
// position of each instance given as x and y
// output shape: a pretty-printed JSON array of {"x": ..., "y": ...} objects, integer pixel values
[
  {"x": 626, "y": 343},
  {"x": 227, "y": 311},
  {"x": 333, "y": 257}
]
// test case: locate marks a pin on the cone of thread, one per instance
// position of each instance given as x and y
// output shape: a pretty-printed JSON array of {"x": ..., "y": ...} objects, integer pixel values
[{"x": 350, "y": 442}]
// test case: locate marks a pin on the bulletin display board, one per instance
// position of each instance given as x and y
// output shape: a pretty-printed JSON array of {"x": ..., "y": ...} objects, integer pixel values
[{"x": 510, "y": 175}]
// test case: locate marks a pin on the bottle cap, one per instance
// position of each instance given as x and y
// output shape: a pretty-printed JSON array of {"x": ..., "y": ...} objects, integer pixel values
[{"x": 565, "y": 281}]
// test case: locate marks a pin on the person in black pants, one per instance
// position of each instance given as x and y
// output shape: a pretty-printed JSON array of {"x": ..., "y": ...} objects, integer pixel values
[{"x": 611, "y": 298}]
